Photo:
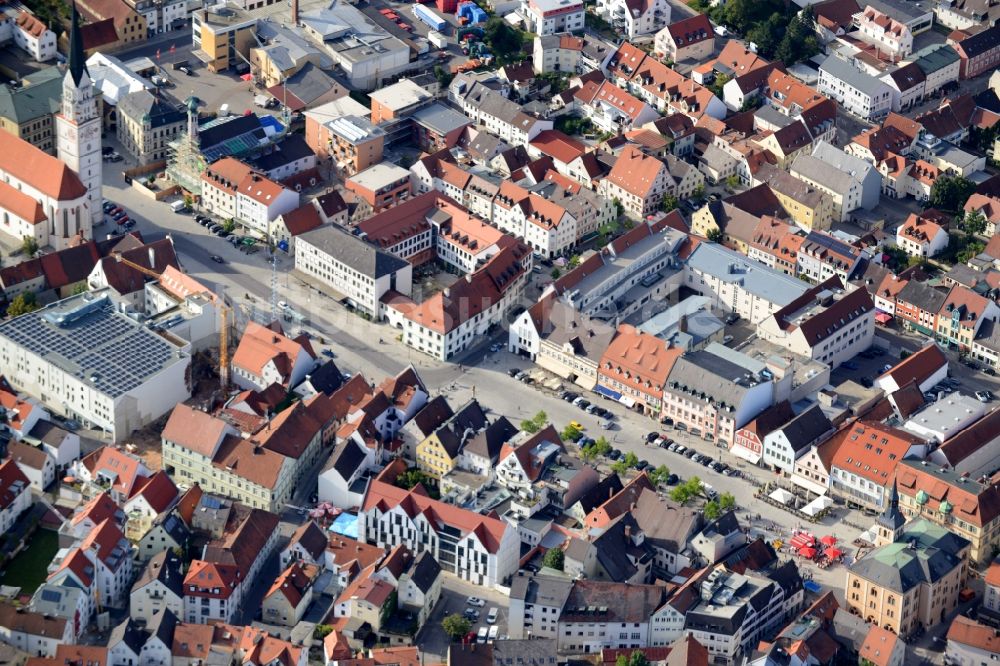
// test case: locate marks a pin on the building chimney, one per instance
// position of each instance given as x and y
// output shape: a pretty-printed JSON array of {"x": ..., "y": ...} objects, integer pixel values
[
  {"x": 152, "y": 257},
  {"x": 295, "y": 12},
  {"x": 682, "y": 324}
]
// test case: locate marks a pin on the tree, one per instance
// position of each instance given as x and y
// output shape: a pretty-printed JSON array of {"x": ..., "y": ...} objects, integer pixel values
[
  {"x": 687, "y": 491},
  {"x": 767, "y": 34},
  {"x": 554, "y": 559},
  {"x": 799, "y": 41},
  {"x": 669, "y": 203},
  {"x": 717, "y": 84},
  {"x": 699, "y": 192},
  {"x": 23, "y": 303},
  {"x": 714, "y": 235},
  {"x": 973, "y": 222},
  {"x": 727, "y": 502},
  {"x": 411, "y": 477},
  {"x": 443, "y": 76},
  {"x": 659, "y": 475},
  {"x": 732, "y": 182},
  {"x": 555, "y": 272},
  {"x": 502, "y": 38},
  {"x": 638, "y": 659},
  {"x": 951, "y": 192},
  {"x": 229, "y": 224},
  {"x": 571, "y": 433},
  {"x": 626, "y": 463},
  {"x": 712, "y": 510},
  {"x": 535, "y": 423},
  {"x": 29, "y": 246},
  {"x": 321, "y": 631},
  {"x": 80, "y": 288},
  {"x": 188, "y": 200},
  {"x": 574, "y": 261},
  {"x": 455, "y": 626}
]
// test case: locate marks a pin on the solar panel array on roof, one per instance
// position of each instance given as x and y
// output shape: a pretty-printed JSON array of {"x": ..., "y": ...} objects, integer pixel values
[{"x": 94, "y": 344}]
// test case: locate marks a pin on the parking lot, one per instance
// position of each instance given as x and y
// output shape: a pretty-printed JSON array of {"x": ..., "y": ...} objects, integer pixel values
[{"x": 454, "y": 595}]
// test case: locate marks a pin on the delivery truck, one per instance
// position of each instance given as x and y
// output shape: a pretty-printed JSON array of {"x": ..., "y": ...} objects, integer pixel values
[{"x": 427, "y": 15}]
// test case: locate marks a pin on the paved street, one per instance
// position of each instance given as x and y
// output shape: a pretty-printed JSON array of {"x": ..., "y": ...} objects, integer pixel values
[{"x": 480, "y": 374}]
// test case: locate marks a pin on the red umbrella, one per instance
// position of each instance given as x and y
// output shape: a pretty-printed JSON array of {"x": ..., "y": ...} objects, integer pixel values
[
  {"x": 829, "y": 540},
  {"x": 833, "y": 553},
  {"x": 807, "y": 552}
]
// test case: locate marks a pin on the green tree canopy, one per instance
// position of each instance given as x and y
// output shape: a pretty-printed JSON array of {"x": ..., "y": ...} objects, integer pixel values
[
  {"x": 455, "y": 626},
  {"x": 571, "y": 433},
  {"x": 535, "y": 423},
  {"x": 670, "y": 202},
  {"x": 714, "y": 235},
  {"x": 29, "y": 246},
  {"x": 503, "y": 38},
  {"x": 951, "y": 192},
  {"x": 727, "y": 502},
  {"x": 23, "y": 303},
  {"x": 712, "y": 510},
  {"x": 973, "y": 222},
  {"x": 659, "y": 475},
  {"x": 411, "y": 477},
  {"x": 554, "y": 558},
  {"x": 686, "y": 491}
]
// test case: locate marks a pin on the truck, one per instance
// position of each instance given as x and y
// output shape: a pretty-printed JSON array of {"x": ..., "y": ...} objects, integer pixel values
[
  {"x": 437, "y": 39},
  {"x": 428, "y": 16},
  {"x": 178, "y": 206},
  {"x": 261, "y": 101}
]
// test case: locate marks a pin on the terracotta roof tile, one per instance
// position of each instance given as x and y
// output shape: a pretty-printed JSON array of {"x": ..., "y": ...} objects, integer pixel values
[{"x": 45, "y": 173}]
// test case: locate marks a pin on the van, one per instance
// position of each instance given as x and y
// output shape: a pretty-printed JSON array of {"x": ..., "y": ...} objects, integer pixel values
[
  {"x": 178, "y": 206},
  {"x": 709, "y": 491},
  {"x": 721, "y": 31}
]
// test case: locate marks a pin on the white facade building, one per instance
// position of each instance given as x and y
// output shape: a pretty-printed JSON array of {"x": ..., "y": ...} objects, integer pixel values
[{"x": 857, "y": 92}]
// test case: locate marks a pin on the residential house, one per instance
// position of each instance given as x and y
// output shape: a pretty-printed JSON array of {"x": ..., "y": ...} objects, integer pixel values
[
  {"x": 612, "y": 109},
  {"x": 290, "y": 594},
  {"x": 635, "y": 18},
  {"x": 918, "y": 305},
  {"x": 965, "y": 506},
  {"x": 961, "y": 316},
  {"x": 857, "y": 92},
  {"x": 921, "y": 237},
  {"x": 690, "y": 39},
  {"x": 748, "y": 443},
  {"x": 547, "y": 17},
  {"x": 786, "y": 444},
  {"x": 909, "y": 85},
  {"x": 849, "y": 181},
  {"x": 34, "y": 633},
  {"x": 168, "y": 533},
  {"x": 885, "y": 33},
  {"x": 809, "y": 207},
  {"x": 634, "y": 370},
  {"x": 32, "y": 35},
  {"x": 712, "y": 393},
  {"x": 925, "y": 367},
  {"x": 438, "y": 453},
  {"x": 381, "y": 186},
  {"x": 971, "y": 642},
  {"x": 864, "y": 461},
  {"x": 639, "y": 181},
  {"x": 392, "y": 516},
  {"x": 419, "y": 587},
  {"x": 152, "y": 497},
  {"x": 216, "y": 584},
  {"x": 34, "y": 462},
  {"x": 826, "y": 323},
  {"x": 978, "y": 53},
  {"x": 159, "y": 588},
  {"x": 940, "y": 64}
]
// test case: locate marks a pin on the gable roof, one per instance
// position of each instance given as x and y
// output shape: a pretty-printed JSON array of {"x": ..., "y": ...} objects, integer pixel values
[{"x": 45, "y": 173}]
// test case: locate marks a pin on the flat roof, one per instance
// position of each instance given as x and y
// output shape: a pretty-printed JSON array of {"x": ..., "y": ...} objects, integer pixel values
[
  {"x": 400, "y": 95},
  {"x": 86, "y": 337},
  {"x": 729, "y": 266},
  {"x": 381, "y": 175}
]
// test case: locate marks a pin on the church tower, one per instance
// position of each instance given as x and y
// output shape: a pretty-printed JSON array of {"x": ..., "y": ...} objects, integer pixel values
[
  {"x": 78, "y": 133},
  {"x": 890, "y": 524}
]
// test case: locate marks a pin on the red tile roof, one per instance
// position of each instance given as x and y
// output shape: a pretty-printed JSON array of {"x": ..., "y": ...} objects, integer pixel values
[
  {"x": 13, "y": 483},
  {"x": 158, "y": 490},
  {"x": 918, "y": 366},
  {"x": 20, "y": 205},
  {"x": 124, "y": 468},
  {"x": 383, "y": 496},
  {"x": 47, "y": 174},
  {"x": 561, "y": 147},
  {"x": 870, "y": 450}
]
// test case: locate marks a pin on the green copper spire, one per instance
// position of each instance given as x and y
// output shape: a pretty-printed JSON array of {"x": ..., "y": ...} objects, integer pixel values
[{"x": 77, "y": 62}]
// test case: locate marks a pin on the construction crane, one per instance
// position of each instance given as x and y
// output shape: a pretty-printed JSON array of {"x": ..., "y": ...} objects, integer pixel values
[{"x": 224, "y": 309}]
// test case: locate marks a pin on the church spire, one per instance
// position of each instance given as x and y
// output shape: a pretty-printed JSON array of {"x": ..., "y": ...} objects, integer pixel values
[{"x": 77, "y": 61}]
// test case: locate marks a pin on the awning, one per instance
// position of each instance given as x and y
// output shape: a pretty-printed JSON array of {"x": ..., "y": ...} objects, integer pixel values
[
  {"x": 782, "y": 495},
  {"x": 627, "y": 401},
  {"x": 800, "y": 541},
  {"x": 883, "y": 318},
  {"x": 807, "y": 552},
  {"x": 743, "y": 452},
  {"x": 246, "y": 77},
  {"x": 833, "y": 553},
  {"x": 614, "y": 395},
  {"x": 817, "y": 505}
]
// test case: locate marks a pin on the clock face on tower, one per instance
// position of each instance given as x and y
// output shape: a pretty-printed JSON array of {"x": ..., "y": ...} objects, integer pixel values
[
  {"x": 90, "y": 132},
  {"x": 71, "y": 132}
]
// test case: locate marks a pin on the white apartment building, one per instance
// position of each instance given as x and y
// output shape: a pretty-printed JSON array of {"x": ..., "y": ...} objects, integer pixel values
[
  {"x": 32, "y": 35},
  {"x": 736, "y": 284},
  {"x": 84, "y": 359},
  {"x": 826, "y": 323},
  {"x": 359, "y": 272},
  {"x": 857, "y": 92},
  {"x": 635, "y": 17},
  {"x": 37, "y": 634},
  {"x": 784, "y": 446},
  {"x": 548, "y": 17},
  {"x": 480, "y": 549},
  {"x": 850, "y": 181},
  {"x": 500, "y": 116},
  {"x": 16, "y": 494},
  {"x": 260, "y": 200},
  {"x": 885, "y": 33}
]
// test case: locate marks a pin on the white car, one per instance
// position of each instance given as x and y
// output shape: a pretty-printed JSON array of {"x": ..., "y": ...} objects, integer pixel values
[
  {"x": 475, "y": 601},
  {"x": 491, "y": 617},
  {"x": 283, "y": 305}
]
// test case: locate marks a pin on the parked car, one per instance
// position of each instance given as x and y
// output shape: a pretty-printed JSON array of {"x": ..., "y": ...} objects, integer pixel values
[
  {"x": 583, "y": 404},
  {"x": 673, "y": 480},
  {"x": 614, "y": 454},
  {"x": 984, "y": 396},
  {"x": 475, "y": 601},
  {"x": 651, "y": 436},
  {"x": 491, "y": 617},
  {"x": 512, "y": 372},
  {"x": 217, "y": 259},
  {"x": 732, "y": 318},
  {"x": 849, "y": 365},
  {"x": 328, "y": 353}
]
